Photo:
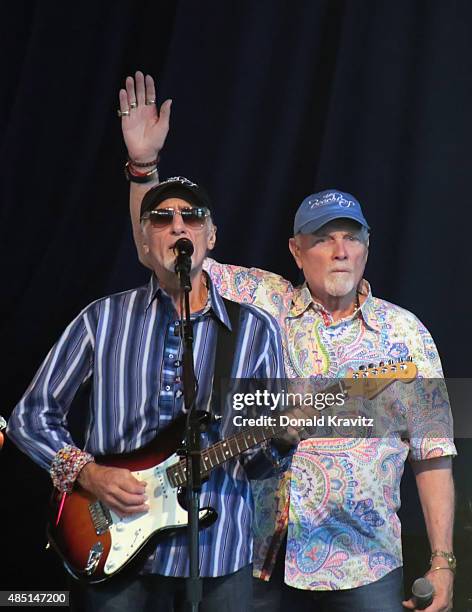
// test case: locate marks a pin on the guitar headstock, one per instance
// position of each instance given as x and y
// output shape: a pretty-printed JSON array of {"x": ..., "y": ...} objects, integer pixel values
[{"x": 368, "y": 381}]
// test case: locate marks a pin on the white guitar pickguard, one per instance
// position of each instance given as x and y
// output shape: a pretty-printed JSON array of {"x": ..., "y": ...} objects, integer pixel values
[{"x": 128, "y": 534}]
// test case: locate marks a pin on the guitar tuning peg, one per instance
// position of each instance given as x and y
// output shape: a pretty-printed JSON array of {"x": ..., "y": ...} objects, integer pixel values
[
  {"x": 409, "y": 358},
  {"x": 390, "y": 362}
]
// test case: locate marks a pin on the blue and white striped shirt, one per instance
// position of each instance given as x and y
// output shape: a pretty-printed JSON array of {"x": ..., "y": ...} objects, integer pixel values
[{"x": 128, "y": 345}]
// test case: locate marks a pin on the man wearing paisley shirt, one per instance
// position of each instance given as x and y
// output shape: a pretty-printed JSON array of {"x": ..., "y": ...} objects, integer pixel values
[{"x": 338, "y": 504}]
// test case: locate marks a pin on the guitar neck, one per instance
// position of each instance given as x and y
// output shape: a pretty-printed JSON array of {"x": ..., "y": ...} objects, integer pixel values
[
  {"x": 223, "y": 451},
  {"x": 226, "y": 449},
  {"x": 367, "y": 382}
]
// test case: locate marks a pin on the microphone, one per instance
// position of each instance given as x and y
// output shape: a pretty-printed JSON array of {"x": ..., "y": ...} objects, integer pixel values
[
  {"x": 422, "y": 593},
  {"x": 183, "y": 246},
  {"x": 183, "y": 261}
]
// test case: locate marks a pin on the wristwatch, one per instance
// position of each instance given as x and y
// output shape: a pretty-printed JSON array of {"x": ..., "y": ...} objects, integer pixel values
[{"x": 448, "y": 555}]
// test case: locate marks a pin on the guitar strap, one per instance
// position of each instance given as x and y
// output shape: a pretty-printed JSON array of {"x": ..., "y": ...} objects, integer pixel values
[{"x": 224, "y": 354}]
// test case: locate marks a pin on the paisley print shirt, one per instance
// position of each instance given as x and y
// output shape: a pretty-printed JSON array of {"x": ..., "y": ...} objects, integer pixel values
[{"x": 340, "y": 499}]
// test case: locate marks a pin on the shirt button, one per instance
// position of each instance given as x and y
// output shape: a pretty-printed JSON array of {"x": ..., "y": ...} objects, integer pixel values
[
  {"x": 171, "y": 356},
  {"x": 167, "y": 387}
]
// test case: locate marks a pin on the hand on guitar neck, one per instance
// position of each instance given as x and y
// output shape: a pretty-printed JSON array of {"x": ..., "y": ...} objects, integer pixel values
[
  {"x": 291, "y": 436},
  {"x": 115, "y": 487}
]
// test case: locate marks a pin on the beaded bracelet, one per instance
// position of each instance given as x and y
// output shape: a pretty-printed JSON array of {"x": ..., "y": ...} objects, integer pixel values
[
  {"x": 66, "y": 466},
  {"x": 140, "y": 177}
]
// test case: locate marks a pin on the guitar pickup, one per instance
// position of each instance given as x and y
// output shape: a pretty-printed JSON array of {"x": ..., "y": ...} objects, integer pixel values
[{"x": 101, "y": 517}]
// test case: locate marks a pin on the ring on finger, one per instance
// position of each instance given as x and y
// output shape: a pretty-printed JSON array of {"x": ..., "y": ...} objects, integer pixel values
[
  {"x": 133, "y": 104},
  {"x": 150, "y": 101},
  {"x": 122, "y": 113}
]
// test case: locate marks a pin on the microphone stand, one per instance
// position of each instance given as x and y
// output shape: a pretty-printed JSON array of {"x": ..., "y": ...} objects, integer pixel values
[{"x": 192, "y": 434}]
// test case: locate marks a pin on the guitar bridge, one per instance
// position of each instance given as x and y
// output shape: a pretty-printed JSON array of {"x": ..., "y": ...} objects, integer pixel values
[{"x": 101, "y": 517}]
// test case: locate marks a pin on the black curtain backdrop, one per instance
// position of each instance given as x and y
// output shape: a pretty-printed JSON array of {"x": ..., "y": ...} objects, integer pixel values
[{"x": 272, "y": 100}]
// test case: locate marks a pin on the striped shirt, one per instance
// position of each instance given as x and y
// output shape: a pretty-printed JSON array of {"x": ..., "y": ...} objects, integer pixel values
[{"x": 128, "y": 345}]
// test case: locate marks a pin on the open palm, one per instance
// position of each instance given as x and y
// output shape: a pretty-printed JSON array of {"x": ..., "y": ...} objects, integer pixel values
[{"x": 144, "y": 129}]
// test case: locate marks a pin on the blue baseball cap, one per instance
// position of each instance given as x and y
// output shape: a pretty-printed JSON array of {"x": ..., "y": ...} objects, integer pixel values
[{"x": 320, "y": 208}]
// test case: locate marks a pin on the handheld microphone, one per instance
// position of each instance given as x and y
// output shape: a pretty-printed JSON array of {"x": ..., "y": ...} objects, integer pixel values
[
  {"x": 422, "y": 593},
  {"x": 183, "y": 261}
]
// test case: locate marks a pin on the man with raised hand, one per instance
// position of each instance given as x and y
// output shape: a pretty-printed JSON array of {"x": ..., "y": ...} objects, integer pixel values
[
  {"x": 340, "y": 502},
  {"x": 130, "y": 347}
]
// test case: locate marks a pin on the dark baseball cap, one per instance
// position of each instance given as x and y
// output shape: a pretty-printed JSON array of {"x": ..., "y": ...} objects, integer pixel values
[
  {"x": 175, "y": 187},
  {"x": 320, "y": 208}
]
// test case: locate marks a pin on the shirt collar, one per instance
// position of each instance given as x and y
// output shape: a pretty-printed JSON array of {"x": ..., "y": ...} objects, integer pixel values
[
  {"x": 215, "y": 301},
  {"x": 152, "y": 290},
  {"x": 302, "y": 300}
]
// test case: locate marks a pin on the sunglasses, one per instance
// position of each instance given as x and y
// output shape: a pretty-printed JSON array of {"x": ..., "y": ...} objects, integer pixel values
[{"x": 194, "y": 218}]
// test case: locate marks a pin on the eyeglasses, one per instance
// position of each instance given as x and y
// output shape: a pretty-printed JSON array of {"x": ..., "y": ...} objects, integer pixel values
[{"x": 160, "y": 218}]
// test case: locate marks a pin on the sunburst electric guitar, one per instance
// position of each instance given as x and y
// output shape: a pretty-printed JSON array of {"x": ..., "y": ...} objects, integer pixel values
[{"x": 95, "y": 543}]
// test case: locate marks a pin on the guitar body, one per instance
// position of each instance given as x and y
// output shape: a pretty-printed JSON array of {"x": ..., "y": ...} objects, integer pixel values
[{"x": 94, "y": 542}]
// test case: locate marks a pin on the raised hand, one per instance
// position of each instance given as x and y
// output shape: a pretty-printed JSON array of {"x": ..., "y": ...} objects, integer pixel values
[
  {"x": 144, "y": 128},
  {"x": 116, "y": 487}
]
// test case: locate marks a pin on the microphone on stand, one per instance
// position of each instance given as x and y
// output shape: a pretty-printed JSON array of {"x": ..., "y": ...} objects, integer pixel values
[
  {"x": 183, "y": 262},
  {"x": 422, "y": 593},
  {"x": 183, "y": 250}
]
